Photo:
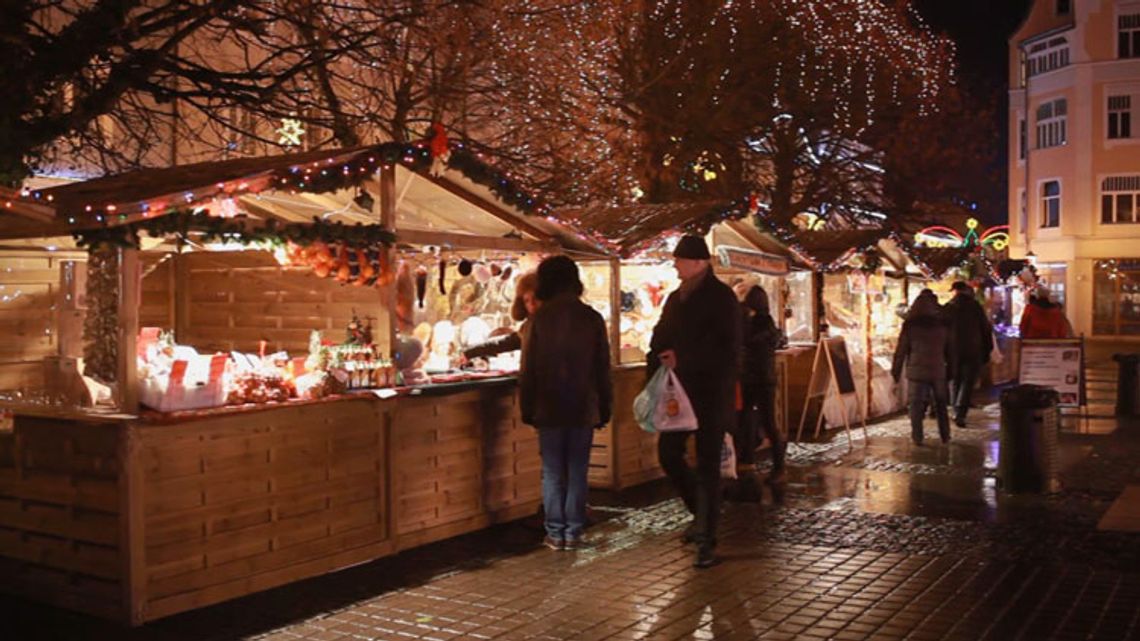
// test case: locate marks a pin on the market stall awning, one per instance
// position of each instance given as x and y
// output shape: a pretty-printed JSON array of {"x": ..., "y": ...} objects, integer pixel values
[
  {"x": 630, "y": 228},
  {"x": 939, "y": 261},
  {"x": 829, "y": 249}
]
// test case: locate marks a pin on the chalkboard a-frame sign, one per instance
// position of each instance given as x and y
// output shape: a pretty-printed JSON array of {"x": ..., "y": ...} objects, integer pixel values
[{"x": 831, "y": 369}]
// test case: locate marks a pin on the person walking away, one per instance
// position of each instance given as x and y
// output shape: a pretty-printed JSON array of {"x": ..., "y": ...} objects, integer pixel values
[
  {"x": 1043, "y": 318},
  {"x": 565, "y": 391},
  {"x": 924, "y": 349},
  {"x": 973, "y": 340},
  {"x": 758, "y": 384},
  {"x": 699, "y": 336},
  {"x": 524, "y": 306}
]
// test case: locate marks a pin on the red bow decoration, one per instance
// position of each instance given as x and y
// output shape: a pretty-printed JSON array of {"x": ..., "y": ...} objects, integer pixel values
[{"x": 438, "y": 143}]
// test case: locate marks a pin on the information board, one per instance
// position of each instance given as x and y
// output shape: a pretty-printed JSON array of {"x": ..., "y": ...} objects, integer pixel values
[
  {"x": 841, "y": 364},
  {"x": 1058, "y": 364}
]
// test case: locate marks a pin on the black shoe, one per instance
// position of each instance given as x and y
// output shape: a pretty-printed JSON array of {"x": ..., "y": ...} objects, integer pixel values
[
  {"x": 917, "y": 442},
  {"x": 576, "y": 543},
  {"x": 553, "y": 543},
  {"x": 706, "y": 558},
  {"x": 690, "y": 534},
  {"x": 960, "y": 422}
]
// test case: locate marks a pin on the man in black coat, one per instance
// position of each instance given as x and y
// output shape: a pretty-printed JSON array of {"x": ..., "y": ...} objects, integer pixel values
[
  {"x": 699, "y": 336},
  {"x": 973, "y": 340}
]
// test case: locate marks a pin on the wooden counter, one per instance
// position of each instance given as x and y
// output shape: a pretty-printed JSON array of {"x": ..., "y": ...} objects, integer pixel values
[{"x": 138, "y": 519}]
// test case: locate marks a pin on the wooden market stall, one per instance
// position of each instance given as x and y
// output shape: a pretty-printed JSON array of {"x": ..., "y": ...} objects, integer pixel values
[{"x": 138, "y": 514}]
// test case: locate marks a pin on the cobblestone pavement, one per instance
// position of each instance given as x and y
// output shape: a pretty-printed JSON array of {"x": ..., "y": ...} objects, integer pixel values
[{"x": 886, "y": 541}]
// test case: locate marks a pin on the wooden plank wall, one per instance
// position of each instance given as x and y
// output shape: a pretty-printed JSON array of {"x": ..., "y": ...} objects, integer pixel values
[
  {"x": 637, "y": 460},
  {"x": 233, "y": 300},
  {"x": 29, "y": 287},
  {"x": 461, "y": 462},
  {"x": 237, "y": 504},
  {"x": 59, "y": 514}
]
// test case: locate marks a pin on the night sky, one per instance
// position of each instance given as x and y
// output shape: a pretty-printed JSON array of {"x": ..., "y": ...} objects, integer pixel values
[{"x": 981, "y": 29}]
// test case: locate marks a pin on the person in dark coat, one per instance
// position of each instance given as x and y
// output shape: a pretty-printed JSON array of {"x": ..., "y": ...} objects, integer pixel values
[
  {"x": 758, "y": 384},
  {"x": 973, "y": 339},
  {"x": 699, "y": 337},
  {"x": 924, "y": 349},
  {"x": 565, "y": 391}
]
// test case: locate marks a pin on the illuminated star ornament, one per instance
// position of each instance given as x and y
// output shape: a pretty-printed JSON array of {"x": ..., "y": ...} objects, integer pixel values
[
  {"x": 290, "y": 132},
  {"x": 996, "y": 237}
]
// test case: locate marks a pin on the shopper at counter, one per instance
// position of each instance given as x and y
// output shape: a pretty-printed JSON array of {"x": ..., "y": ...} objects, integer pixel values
[
  {"x": 699, "y": 335},
  {"x": 524, "y": 306},
  {"x": 565, "y": 391}
]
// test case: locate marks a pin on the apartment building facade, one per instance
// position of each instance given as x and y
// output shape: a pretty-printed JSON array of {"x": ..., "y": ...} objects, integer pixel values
[{"x": 1074, "y": 158}]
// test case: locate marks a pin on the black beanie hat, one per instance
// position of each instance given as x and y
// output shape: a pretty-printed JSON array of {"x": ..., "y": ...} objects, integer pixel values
[{"x": 693, "y": 247}]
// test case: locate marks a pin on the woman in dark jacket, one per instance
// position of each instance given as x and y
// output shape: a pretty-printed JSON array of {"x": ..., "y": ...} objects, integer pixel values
[
  {"x": 924, "y": 349},
  {"x": 565, "y": 391},
  {"x": 758, "y": 384}
]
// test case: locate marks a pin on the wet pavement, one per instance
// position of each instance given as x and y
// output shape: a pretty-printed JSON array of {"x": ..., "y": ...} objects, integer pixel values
[{"x": 886, "y": 541}]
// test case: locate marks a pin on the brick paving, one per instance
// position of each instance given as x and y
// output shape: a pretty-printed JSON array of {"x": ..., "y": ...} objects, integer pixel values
[{"x": 888, "y": 541}]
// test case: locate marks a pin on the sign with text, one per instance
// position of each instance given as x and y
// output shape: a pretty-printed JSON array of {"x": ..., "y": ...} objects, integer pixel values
[
  {"x": 1058, "y": 364},
  {"x": 753, "y": 261}
]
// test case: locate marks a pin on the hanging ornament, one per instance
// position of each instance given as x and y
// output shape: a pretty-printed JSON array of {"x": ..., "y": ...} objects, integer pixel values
[
  {"x": 440, "y": 151},
  {"x": 421, "y": 285},
  {"x": 465, "y": 267},
  {"x": 442, "y": 275},
  {"x": 507, "y": 273}
]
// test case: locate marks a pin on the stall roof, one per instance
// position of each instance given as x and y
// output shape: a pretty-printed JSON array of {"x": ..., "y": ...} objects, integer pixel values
[
  {"x": 938, "y": 261},
  {"x": 448, "y": 205},
  {"x": 628, "y": 228},
  {"x": 827, "y": 249}
]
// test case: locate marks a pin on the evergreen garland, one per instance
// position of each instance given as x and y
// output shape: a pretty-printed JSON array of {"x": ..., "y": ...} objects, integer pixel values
[{"x": 101, "y": 324}]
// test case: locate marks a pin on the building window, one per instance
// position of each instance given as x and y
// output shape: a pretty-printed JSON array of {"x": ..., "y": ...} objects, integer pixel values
[
  {"x": 1051, "y": 118},
  {"x": 1128, "y": 36},
  {"x": 1119, "y": 117},
  {"x": 1120, "y": 200},
  {"x": 1051, "y": 203},
  {"x": 1048, "y": 56},
  {"x": 1022, "y": 138},
  {"x": 1064, "y": 7},
  {"x": 1116, "y": 297}
]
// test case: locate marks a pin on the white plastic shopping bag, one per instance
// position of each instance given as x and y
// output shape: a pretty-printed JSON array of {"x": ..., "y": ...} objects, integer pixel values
[
  {"x": 645, "y": 403},
  {"x": 674, "y": 412},
  {"x": 728, "y": 458}
]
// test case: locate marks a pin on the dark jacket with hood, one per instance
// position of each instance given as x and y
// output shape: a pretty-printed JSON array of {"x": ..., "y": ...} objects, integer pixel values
[
  {"x": 971, "y": 332},
  {"x": 702, "y": 325},
  {"x": 761, "y": 340},
  {"x": 924, "y": 344},
  {"x": 565, "y": 377}
]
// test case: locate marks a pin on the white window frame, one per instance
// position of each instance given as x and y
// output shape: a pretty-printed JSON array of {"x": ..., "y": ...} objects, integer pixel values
[
  {"x": 1128, "y": 36},
  {"x": 1044, "y": 202},
  {"x": 1119, "y": 113},
  {"x": 1052, "y": 123},
  {"x": 1115, "y": 191},
  {"x": 1048, "y": 55}
]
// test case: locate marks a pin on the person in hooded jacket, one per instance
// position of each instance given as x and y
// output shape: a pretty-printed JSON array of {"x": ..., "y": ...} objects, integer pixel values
[
  {"x": 973, "y": 339},
  {"x": 924, "y": 350},
  {"x": 1043, "y": 318},
  {"x": 758, "y": 384}
]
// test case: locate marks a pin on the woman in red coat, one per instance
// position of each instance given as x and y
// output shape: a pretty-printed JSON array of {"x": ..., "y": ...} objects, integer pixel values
[{"x": 1043, "y": 318}]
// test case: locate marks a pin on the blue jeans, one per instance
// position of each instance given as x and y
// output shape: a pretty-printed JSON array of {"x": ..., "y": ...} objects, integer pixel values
[{"x": 565, "y": 463}]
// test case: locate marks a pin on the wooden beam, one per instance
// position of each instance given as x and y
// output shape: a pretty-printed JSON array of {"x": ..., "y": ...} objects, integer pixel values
[
  {"x": 467, "y": 241},
  {"x": 615, "y": 312},
  {"x": 384, "y": 208},
  {"x": 130, "y": 290},
  {"x": 491, "y": 208}
]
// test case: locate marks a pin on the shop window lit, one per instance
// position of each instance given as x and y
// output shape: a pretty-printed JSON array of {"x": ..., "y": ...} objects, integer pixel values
[
  {"x": 1119, "y": 117},
  {"x": 1051, "y": 204},
  {"x": 1119, "y": 200},
  {"x": 800, "y": 324},
  {"x": 1116, "y": 297},
  {"x": 1051, "y": 123},
  {"x": 1128, "y": 36}
]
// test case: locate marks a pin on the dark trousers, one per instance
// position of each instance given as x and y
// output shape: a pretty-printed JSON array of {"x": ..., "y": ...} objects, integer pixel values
[
  {"x": 921, "y": 394},
  {"x": 962, "y": 388},
  {"x": 758, "y": 418},
  {"x": 699, "y": 489}
]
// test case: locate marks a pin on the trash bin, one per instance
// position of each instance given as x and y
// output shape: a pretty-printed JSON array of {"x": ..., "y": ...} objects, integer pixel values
[
  {"x": 1128, "y": 384},
  {"x": 1030, "y": 419}
]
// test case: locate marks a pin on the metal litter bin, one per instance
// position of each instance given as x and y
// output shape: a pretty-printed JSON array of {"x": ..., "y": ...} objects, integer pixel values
[
  {"x": 1030, "y": 419},
  {"x": 1127, "y": 384}
]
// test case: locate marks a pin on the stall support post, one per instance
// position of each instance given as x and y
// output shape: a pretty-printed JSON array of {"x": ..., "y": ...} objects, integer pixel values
[
  {"x": 181, "y": 289},
  {"x": 818, "y": 309},
  {"x": 385, "y": 210},
  {"x": 868, "y": 343},
  {"x": 130, "y": 278},
  {"x": 615, "y": 312}
]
